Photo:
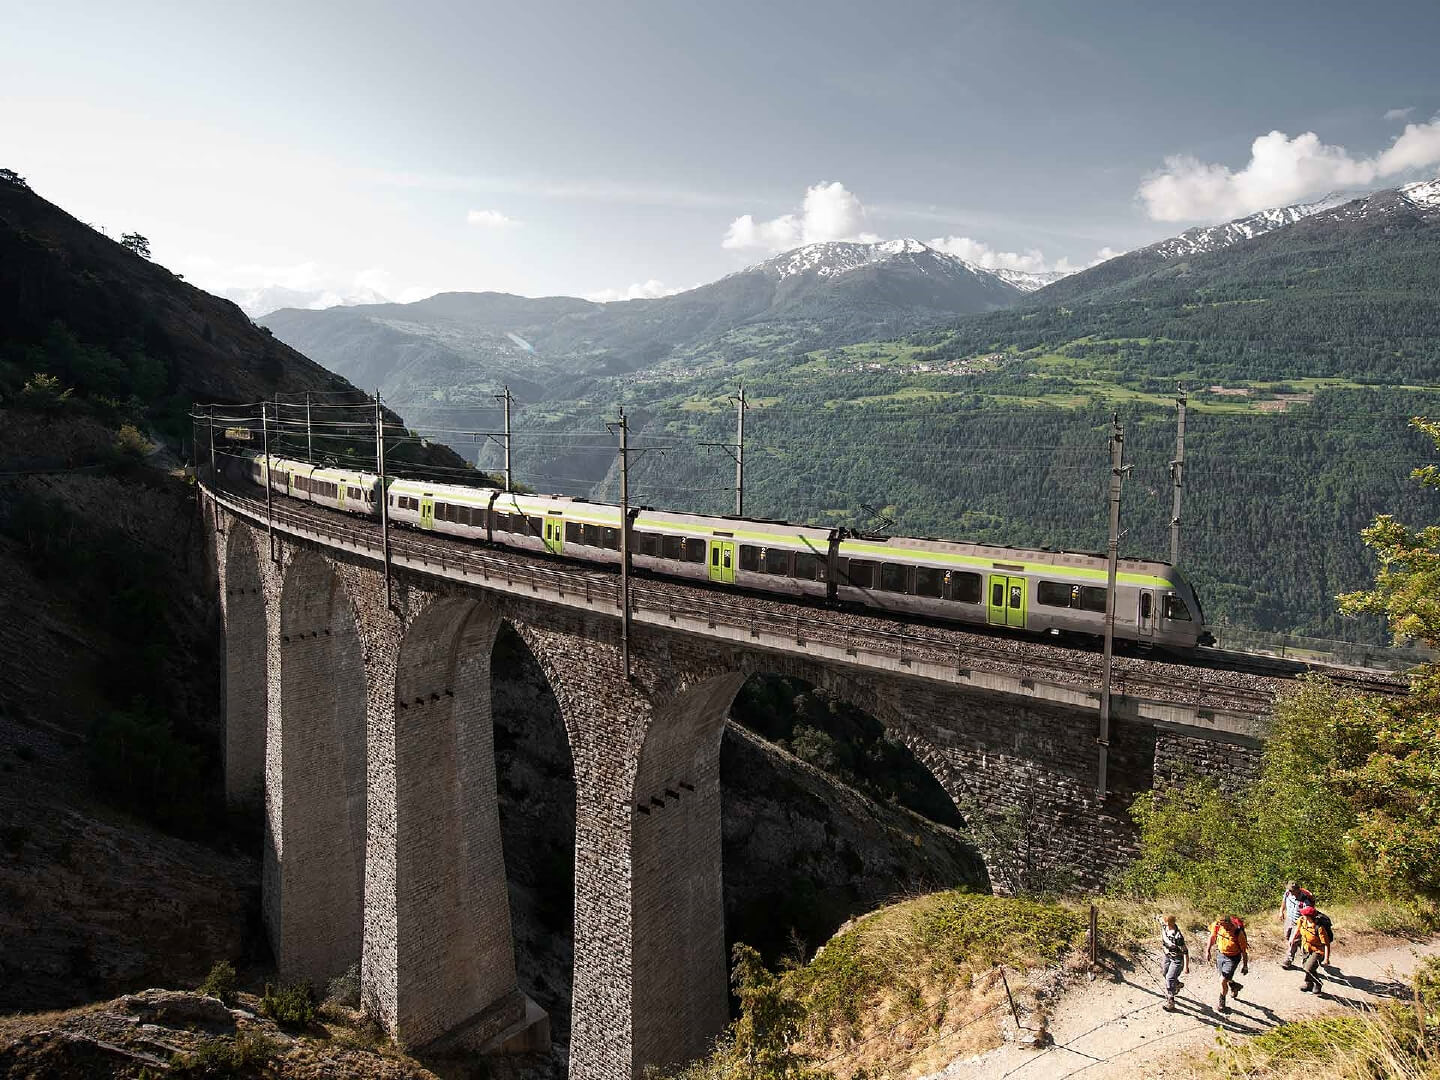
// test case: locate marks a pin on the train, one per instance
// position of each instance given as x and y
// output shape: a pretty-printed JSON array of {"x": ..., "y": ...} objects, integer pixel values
[{"x": 948, "y": 581}]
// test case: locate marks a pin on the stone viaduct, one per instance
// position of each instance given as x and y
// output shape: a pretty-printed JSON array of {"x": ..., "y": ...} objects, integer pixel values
[{"x": 364, "y": 732}]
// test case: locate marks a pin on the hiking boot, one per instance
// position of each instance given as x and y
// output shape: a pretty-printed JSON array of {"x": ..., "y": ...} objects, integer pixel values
[
  {"x": 1235, "y": 988},
  {"x": 1305, "y": 988},
  {"x": 1223, "y": 1007},
  {"x": 1179, "y": 986},
  {"x": 1287, "y": 966},
  {"x": 1169, "y": 1006}
]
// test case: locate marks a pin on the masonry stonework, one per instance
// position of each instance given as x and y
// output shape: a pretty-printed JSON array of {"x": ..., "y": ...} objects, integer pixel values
[{"x": 379, "y": 787}]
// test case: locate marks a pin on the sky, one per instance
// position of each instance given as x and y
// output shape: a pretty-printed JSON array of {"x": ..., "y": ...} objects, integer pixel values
[{"x": 634, "y": 149}]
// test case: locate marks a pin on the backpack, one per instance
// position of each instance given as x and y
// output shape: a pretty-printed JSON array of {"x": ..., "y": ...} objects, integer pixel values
[
  {"x": 1230, "y": 936},
  {"x": 1325, "y": 926}
]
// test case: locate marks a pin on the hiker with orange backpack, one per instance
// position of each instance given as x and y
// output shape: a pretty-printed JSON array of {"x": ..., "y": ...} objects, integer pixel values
[
  {"x": 1315, "y": 933},
  {"x": 1234, "y": 951}
]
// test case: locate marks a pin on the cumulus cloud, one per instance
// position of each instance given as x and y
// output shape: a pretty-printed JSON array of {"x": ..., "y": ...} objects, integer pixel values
[
  {"x": 1399, "y": 114},
  {"x": 829, "y": 212},
  {"x": 640, "y": 290},
  {"x": 489, "y": 219},
  {"x": 1033, "y": 261},
  {"x": 1281, "y": 170}
]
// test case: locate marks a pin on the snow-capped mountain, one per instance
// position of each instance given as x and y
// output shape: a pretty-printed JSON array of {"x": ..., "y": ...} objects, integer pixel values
[
  {"x": 1423, "y": 195},
  {"x": 261, "y": 301},
  {"x": 1027, "y": 281},
  {"x": 1206, "y": 238}
]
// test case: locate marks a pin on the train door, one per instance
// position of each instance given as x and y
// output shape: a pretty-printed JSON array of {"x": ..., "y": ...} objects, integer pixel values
[
  {"x": 1145, "y": 616},
  {"x": 722, "y": 561},
  {"x": 553, "y": 531},
  {"x": 427, "y": 511},
  {"x": 339, "y": 493},
  {"x": 1007, "y": 601}
]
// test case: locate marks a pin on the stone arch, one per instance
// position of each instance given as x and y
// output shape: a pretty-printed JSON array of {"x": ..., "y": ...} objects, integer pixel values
[
  {"x": 244, "y": 686},
  {"x": 454, "y": 952},
  {"x": 680, "y": 1002},
  {"x": 317, "y": 823}
]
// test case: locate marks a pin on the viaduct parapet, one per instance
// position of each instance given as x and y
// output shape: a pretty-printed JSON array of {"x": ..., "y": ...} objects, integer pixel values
[{"x": 364, "y": 732}]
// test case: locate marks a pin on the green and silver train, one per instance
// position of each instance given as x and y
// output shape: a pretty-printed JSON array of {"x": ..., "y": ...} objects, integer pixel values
[{"x": 1061, "y": 592}]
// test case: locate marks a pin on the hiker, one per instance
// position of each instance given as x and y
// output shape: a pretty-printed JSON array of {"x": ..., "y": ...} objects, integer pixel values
[
  {"x": 1315, "y": 933},
  {"x": 1229, "y": 934},
  {"x": 1177, "y": 959},
  {"x": 1293, "y": 899}
]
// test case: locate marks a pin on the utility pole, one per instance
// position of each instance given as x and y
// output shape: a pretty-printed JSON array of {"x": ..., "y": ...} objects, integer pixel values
[
  {"x": 309, "y": 443},
  {"x": 210, "y": 415},
  {"x": 505, "y": 397},
  {"x": 383, "y": 495},
  {"x": 1177, "y": 475},
  {"x": 1118, "y": 469},
  {"x": 740, "y": 407},
  {"x": 269, "y": 485},
  {"x": 624, "y": 428}
]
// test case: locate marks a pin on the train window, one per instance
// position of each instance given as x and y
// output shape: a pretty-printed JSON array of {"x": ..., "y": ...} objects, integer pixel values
[
  {"x": 695, "y": 550},
  {"x": 534, "y": 524},
  {"x": 1092, "y": 598},
  {"x": 646, "y": 543},
  {"x": 928, "y": 580},
  {"x": 861, "y": 573},
  {"x": 997, "y": 594},
  {"x": 776, "y": 561},
  {"x": 749, "y": 557},
  {"x": 590, "y": 535},
  {"x": 807, "y": 564},
  {"x": 1175, "y": 608},
  {"x": 672, "y": 547},
  {"x": 610, "y": 537},
  {"x": 965, "y": 587},
  {"x": 1146, "y": 603},
  {"x": 1053, "y": 594},
  {"x": 892, "y": 577},
  {"x": 1017, "y": 596},
  {"x": 442, "y": 512},
  {"x": 573, "y": 532}
]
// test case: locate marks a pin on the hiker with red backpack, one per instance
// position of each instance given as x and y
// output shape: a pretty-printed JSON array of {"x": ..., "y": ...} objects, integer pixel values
[
  {"x": 1291, "y": 902},
  {"x": 1228, "y": 934},
  {"x": 1315, "y": 933}
]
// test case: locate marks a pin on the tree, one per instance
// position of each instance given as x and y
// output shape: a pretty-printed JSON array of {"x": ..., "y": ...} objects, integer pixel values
[
  {"x": 1390, "y": 768},
  {"x": 1407, "y": 588},
  {"x": 133, "y": 241},
  {"x": 11, "y": 177}
]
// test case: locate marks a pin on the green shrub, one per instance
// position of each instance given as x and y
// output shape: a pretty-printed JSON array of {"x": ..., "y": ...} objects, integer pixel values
[
  {"x": 131, "y": 443},
  {"x": 1235, "y": 850},
  {"x": 290, "y": 1006},
  {"x": 221, "y": 982},
  {"x": 44, "y": 392},
  {"x": 241, "y": 1056}
]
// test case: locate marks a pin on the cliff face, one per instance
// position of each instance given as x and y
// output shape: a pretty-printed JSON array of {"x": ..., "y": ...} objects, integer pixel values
[{"x": 108, "y": 677}]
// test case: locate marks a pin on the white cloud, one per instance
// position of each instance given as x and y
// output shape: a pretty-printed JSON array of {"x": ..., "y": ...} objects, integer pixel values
[
  {"x": 490, "y": 219},
  {"x": 1281, "y": 170},
  {"x": 641, "y": 290},
  {"x": 982, "y": 254},
  {"x": 830, "y": 212},
  {"x": 1399, "y": 114},
  {"x": 1032, "y": 261}
]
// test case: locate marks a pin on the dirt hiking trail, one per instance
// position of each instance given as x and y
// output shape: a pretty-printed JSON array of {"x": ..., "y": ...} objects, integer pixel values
[{"x": 1115, "y": 1027}]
